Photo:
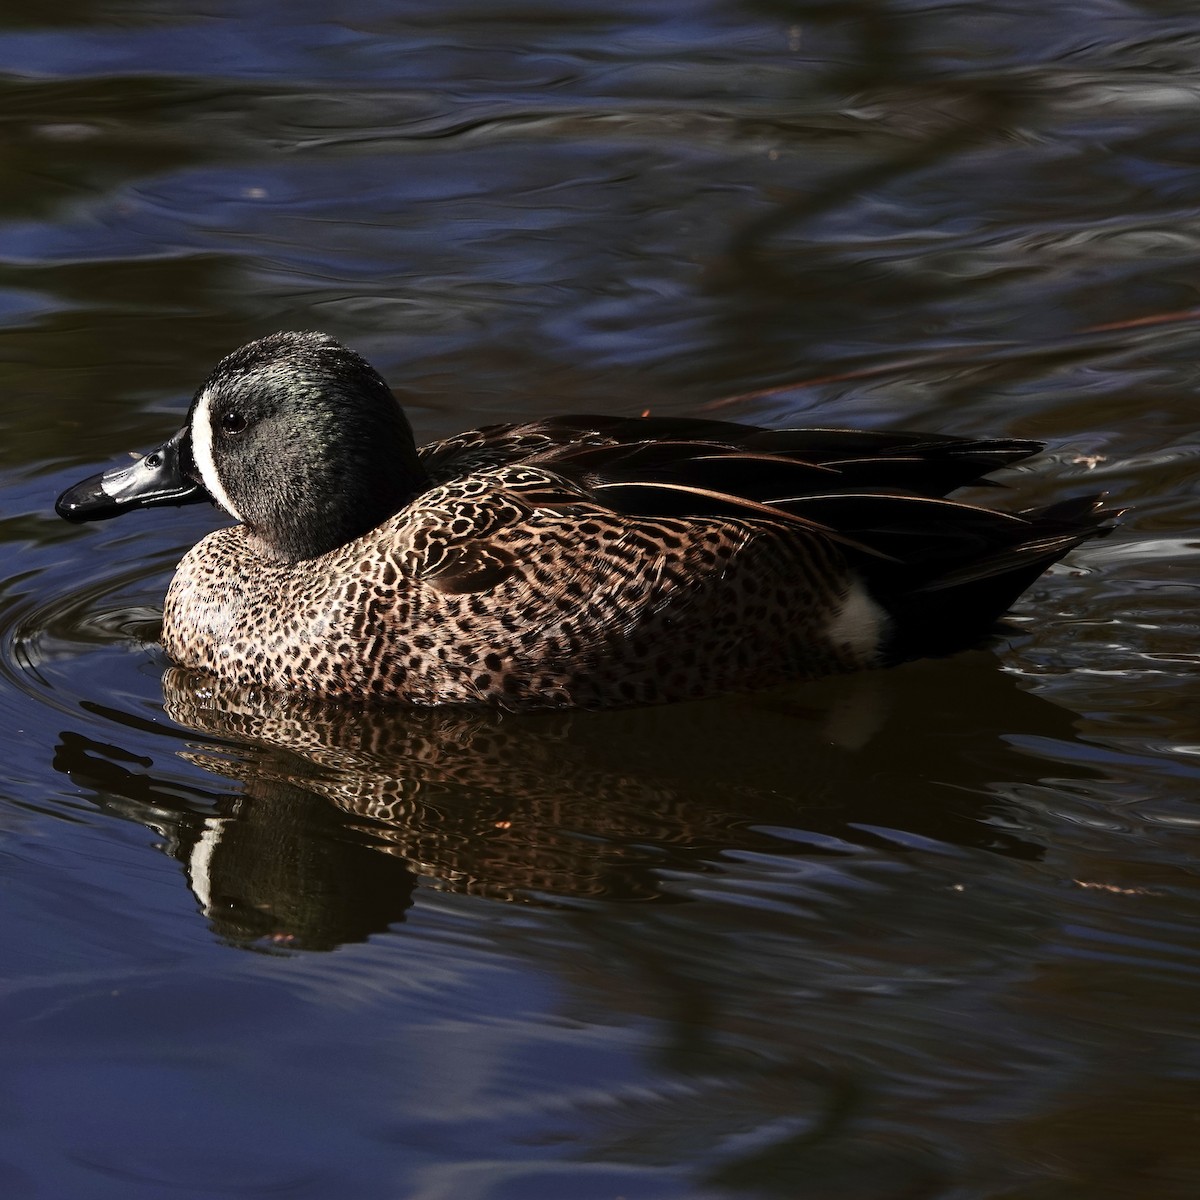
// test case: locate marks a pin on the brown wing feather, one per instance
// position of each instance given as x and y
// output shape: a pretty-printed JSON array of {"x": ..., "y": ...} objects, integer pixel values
[
  {"x": 726, "y": 455},
  {"x": 946, "y": 570}
]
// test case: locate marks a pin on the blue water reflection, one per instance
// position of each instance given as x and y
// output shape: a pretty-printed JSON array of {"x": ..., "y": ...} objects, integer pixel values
[{"x": 928, "y": 932}]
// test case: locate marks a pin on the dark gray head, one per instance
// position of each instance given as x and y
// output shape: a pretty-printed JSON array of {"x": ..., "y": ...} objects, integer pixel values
[
  {"x": 294, "y": 435},
  {"x": 301, "y": 440}
]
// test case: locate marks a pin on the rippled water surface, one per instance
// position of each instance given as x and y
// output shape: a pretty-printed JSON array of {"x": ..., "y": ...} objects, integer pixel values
[{"x": 930, "y": 932}]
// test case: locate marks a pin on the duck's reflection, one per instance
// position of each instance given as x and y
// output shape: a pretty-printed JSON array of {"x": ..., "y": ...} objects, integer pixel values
[
  {"x": 337, "y": 812},
  {"x": 271, "y": 866}
]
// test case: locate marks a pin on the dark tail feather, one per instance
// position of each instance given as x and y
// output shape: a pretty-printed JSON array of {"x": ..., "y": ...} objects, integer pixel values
[{"x": 961, "y": 604}]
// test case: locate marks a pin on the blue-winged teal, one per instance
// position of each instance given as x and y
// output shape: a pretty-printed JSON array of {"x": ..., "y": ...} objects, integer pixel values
[{"x": 583, "y": 560}]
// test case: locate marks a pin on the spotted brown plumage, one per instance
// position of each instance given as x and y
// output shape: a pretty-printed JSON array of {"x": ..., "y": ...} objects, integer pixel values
[{"x": 578, "y": 561}]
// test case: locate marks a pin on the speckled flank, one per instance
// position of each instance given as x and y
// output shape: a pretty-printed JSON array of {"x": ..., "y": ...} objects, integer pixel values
[{"x": 509, "y": 586}]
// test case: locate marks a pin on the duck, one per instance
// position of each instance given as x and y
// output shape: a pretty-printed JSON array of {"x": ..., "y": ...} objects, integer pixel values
[{"x": 583, "y": 561}]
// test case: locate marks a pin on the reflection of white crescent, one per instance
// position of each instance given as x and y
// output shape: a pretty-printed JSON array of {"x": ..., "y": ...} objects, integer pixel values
[{"x": 200, "y": 860}]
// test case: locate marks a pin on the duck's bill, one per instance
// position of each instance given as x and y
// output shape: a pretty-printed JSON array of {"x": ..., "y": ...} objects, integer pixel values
[{"x": 160, "y": 478}]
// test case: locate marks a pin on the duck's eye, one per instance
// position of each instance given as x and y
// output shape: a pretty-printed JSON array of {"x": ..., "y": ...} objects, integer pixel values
[{"x": 232, "y": 422}]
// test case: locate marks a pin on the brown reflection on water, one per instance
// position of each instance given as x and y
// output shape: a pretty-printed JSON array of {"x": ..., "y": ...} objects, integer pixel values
[{"x": 559, "y": 807}]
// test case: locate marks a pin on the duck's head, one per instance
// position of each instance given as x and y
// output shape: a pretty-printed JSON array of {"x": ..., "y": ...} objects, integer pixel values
[{"x": 293, "y": 435}]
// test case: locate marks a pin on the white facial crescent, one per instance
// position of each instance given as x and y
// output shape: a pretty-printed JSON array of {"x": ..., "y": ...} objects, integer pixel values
[{"x": 202, "y": 452}]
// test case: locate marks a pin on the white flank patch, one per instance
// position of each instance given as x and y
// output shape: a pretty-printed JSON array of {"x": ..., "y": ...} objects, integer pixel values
[
  {"x": 860, "y": 623},
  {"x": 202, "y": 452}
]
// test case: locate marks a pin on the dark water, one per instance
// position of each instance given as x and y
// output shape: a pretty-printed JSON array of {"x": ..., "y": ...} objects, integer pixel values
[{"x": 924, "y": 933}]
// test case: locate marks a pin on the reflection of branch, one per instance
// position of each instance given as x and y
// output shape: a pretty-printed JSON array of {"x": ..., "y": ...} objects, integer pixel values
[
  {"x": 997, "y": 105},
  {"x": 1183, "y": 314},
  {"x": 1072, "y": 346}
]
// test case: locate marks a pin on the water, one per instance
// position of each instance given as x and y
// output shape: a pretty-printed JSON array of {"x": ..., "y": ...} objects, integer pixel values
[{"x": 921, "y": 933}]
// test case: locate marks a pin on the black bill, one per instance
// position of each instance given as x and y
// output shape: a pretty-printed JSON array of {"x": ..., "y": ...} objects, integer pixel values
[{"x": 163, "y": 477}]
